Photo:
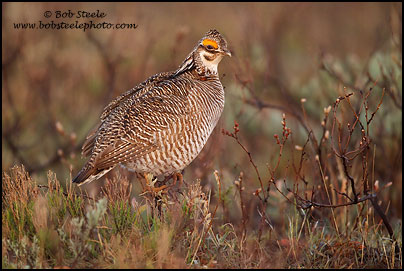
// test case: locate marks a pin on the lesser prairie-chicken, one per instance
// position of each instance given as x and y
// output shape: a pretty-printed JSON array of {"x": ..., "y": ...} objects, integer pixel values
[{"x": 162, "y": 124}]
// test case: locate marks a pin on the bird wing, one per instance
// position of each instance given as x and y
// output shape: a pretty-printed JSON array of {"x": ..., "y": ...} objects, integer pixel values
[
  {"x": 131, "y": 128},
  {"x": 136, "y": 91},
  {"x": 89, "y": 143}
]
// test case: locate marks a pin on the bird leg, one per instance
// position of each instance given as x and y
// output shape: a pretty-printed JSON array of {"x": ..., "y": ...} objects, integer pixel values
[
  {"x": 178, "y": 176},
  {"x": 175, "y": 177}
]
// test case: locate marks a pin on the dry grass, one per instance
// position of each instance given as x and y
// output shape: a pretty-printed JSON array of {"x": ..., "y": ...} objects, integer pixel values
[{"x": 50, "y": 228}]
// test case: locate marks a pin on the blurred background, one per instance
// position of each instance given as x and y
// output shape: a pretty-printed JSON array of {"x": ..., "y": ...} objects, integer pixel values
[{"x": 55, "y": 84}]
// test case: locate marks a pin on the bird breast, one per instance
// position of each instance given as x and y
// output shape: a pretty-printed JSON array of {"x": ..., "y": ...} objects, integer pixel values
[{"x": 183, "y": 139}]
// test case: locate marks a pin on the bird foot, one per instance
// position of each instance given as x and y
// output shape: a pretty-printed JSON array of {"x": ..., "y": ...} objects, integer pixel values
[{"x": 165, "y": 187}]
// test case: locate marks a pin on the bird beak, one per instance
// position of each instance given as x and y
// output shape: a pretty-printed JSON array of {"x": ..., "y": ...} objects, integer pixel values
[{"x": 226, "y": 51}]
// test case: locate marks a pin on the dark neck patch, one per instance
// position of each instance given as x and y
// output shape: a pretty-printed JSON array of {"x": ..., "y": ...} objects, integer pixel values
[{"x": 209, "y": 58}]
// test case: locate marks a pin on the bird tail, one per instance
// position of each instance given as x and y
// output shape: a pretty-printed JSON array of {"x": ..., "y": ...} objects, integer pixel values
[{"x": 88, "y": 174}]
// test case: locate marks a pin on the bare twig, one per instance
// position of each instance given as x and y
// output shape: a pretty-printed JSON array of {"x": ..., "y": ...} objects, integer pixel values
[{"x": 235, "y": 136}]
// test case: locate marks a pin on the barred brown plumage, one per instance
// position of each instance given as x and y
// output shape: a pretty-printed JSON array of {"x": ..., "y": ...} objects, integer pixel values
[{"x": 162, "y": 124}]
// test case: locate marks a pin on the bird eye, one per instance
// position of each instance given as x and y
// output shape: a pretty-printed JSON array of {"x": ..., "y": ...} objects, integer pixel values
[{"x": 210, "y": 47}]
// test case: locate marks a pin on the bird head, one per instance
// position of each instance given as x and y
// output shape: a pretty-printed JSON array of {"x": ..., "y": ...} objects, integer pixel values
[{"x": 211, "y": 49}]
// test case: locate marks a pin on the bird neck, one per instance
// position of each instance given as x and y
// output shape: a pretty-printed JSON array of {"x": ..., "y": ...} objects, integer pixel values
[{"x": 196, "y": 62}]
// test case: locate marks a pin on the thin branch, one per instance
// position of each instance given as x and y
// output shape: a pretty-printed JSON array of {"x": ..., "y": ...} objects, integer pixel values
[
  {"x": 344, "y": 163},
  {"x": 320, "y": 205},
  {"x": 235, "y": 136}
]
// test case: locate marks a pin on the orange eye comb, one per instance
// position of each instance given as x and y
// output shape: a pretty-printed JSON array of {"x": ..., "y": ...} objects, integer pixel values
[{"x": 207, "y": 42}]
